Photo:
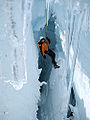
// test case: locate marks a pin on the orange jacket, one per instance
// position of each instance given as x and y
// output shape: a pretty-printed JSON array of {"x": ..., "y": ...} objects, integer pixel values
[{"x": 44, "y": 46}]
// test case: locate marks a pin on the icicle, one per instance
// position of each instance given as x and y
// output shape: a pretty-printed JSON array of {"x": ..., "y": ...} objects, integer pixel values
[
  {"x": 47, "y": 9},
  {"x": 85, "y": 23}
]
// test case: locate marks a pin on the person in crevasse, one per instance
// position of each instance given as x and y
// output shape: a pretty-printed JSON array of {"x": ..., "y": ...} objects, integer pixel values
[{"x": 44, "y": 49}]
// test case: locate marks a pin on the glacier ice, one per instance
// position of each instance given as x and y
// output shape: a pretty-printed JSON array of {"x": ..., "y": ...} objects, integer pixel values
[
  {"x": 18, "y": 100},
  {"x": 21, "y": 24}
]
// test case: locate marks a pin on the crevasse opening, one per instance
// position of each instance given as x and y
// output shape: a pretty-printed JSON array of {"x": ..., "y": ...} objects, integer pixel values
[{"x": 31, "y": 89}]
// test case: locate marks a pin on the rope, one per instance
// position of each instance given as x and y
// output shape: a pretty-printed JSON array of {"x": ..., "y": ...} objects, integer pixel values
[{"x": 46, "y": 21}]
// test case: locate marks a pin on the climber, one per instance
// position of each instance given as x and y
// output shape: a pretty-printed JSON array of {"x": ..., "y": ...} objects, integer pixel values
[{"x": 44, "y": 49}]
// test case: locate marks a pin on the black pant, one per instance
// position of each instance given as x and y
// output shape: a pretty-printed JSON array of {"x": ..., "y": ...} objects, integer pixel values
[{"x": 52, "y": 55}]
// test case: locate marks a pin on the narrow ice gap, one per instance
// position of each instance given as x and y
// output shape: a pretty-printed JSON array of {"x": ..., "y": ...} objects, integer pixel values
[{"x": 21, "y": 25}]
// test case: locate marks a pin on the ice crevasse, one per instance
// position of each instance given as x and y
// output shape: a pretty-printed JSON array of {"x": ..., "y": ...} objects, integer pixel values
[{"x": 21, "y": 24}]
